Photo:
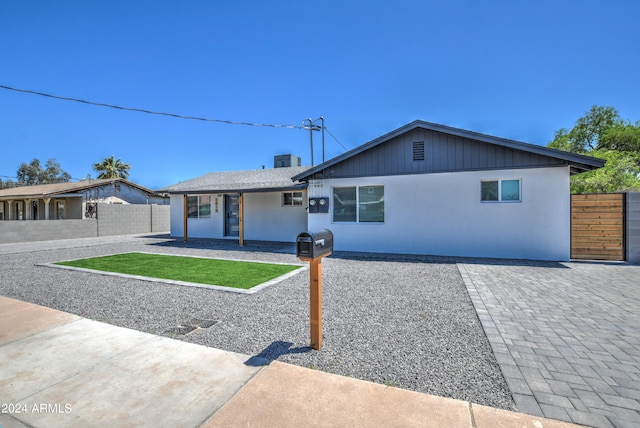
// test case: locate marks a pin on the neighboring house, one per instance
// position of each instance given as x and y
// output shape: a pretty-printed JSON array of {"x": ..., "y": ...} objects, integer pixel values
[
  {"x": 69, "y": 200},
  {"x": 432, "y": 189},
  {"x": 422, "y": 189},
  {"x": 259, "y": 204}
]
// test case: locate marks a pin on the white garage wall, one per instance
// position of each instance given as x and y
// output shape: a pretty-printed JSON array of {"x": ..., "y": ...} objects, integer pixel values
[{"x": 441, "y": 214}]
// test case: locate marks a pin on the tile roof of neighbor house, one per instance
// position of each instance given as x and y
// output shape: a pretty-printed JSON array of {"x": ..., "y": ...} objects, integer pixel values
[
  {"x": 256, "y": 180},
  {"x": 44, "y": 190},
  {"x": 578, "y": 163}
]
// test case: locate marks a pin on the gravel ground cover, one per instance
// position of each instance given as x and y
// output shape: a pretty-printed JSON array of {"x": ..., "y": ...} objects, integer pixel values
[{"x": 404, "y": 321}]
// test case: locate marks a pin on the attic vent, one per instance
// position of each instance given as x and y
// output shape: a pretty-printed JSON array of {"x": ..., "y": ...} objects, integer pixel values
[{"x": 418, "y": 150}]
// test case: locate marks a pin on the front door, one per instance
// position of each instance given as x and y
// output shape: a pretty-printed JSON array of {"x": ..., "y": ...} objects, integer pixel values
[
  {"x": 232, "y": 214},
  {"x": 19, "y": 213}
]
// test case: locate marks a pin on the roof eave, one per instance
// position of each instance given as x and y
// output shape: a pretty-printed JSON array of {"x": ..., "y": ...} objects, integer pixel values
[{"x": 300, "y": 186}]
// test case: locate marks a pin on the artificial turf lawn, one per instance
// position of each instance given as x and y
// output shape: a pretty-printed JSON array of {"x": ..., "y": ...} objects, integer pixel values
[{"x": 227, "y": 273}]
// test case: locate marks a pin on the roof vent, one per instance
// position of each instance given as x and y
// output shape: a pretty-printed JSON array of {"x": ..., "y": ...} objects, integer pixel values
[{"x": 418, "y": 150}]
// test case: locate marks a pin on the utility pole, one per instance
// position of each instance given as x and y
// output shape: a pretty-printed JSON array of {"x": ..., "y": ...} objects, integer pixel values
[
  {"x": 322, "y": 119},
  {"x": 311, "y": 126},
  {"x": 311, "y": 139}
]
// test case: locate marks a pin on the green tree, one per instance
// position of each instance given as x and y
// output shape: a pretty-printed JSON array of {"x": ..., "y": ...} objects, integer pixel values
[
  {"x": 33, "y": 173},
  {"x": 53, "y": 173},
  {"x": 112, "y": 168},
  {"x": 6, "y": 184},
  {"x": 624, "y": 137},
  {"x": 586, "y": 133},
  {"x": 602, "y": 133},
  {"x": 620, "y": 174}
]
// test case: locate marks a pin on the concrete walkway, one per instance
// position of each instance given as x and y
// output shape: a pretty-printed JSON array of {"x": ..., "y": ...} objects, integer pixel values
[
  {"x": 62, "y": 370},
  {"x": 566, "y": 336}
]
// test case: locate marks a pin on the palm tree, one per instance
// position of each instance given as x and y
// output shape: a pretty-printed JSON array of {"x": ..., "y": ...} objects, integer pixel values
[{"x": 112, "y": 168}]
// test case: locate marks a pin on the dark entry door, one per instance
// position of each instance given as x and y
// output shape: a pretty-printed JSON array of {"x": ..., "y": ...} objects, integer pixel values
[{"x": 232, "y": 214}]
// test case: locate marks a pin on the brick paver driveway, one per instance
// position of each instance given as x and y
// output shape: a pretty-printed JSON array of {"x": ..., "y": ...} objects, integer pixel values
[{"x": 566, "y": 335}]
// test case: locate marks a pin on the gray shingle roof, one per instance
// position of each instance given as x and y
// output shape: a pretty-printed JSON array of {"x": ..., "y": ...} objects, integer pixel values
[{"x": 256, "y": 180}]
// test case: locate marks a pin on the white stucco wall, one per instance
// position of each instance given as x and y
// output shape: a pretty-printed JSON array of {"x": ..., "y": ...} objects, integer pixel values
[
  {"x": 441, "y": 214},
  {"x": 212, "y": 227},
  {"x": 265, "y": 219}
]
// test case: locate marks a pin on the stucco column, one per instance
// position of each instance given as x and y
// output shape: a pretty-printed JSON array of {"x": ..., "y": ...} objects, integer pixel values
[
  {"x": 26, "y": 208},
  {"x": 9, "y": 209},
  {"x": 46, "y": 208}
]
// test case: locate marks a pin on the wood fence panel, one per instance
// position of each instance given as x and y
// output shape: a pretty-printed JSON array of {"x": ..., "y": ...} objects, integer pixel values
[{"x": 598, "y": 226}]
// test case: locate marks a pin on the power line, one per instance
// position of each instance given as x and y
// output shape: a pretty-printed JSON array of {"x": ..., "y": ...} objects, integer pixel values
[
  {"x": 179, "y": 116},
  {"x": 337, "y": 141}
]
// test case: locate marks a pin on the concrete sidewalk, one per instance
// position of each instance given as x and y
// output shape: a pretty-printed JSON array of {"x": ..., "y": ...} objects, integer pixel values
[{"x": 59, "y": 369}]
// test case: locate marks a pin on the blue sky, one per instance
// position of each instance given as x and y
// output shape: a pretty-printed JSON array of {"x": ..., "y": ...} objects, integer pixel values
[{"x": 513, "y": 69}]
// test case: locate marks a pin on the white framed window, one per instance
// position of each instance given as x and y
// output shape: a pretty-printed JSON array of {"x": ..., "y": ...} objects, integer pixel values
[
  {"x": 501, "y": 190},
  {"x": 292, "y": 199},
  {"x": 358, "y": 204},
  {"x": 199, "y": 206}
]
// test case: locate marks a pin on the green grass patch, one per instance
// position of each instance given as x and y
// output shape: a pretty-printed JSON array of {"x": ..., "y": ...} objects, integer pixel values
[{"x": 226, "y": 273}]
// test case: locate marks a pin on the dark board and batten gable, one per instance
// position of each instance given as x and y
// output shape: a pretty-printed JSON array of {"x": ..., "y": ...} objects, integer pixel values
[{"x": 424, "y": 148}]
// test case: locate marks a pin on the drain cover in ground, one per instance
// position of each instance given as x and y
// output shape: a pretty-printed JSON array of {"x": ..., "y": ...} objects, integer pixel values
[
  {"x": 202, "y": 323},
  {"x": 181, "y": 330}
]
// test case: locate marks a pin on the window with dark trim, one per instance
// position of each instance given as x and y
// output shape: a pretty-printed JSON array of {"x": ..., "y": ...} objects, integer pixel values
[
  {"x": 500, "y": 190},
  {"x": 358, "y": 204},
  {"x": 292, "y": 199},
  {"x": 199, "y": 206}
]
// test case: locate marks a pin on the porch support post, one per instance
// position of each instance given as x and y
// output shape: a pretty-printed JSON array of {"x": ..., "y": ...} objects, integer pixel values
[
  {"x": 46, "y": 208},
  {"x": 10, "y": 209},
  {"x": 241, "y": 219},
  {"x": 26, "y": 209},
  {"x": 184, "y": 217}
]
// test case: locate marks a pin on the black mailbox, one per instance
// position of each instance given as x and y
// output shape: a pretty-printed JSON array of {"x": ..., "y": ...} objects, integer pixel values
[{"x": 311, "y": 245}]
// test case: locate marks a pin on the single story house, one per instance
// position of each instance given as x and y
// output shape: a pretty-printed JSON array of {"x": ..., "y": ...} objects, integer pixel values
[
  {"x": 71, "y": 200},
  {"x": 424, "y": 188},
  {"x": 261, "y": 204}
]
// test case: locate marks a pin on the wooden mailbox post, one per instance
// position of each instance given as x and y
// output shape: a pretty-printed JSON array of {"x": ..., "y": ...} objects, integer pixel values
[{"x": 312, "y": 247}]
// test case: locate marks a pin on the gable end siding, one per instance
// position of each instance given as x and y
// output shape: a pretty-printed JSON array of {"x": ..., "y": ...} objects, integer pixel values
[{"x": 442, "y": 153}]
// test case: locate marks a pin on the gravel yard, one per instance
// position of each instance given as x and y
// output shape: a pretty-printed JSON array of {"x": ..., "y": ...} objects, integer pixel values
[{"x": 404, "y": 321}]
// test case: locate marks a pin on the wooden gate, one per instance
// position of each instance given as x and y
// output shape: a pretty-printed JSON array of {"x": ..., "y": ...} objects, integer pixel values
[{"x": 598, "y": 226}]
